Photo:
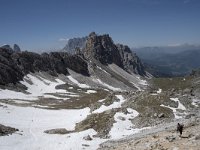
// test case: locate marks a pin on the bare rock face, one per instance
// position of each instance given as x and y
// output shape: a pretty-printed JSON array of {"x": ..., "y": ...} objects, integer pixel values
[
  {"x": 14, "y": 65},
  {"x": 5, "y": 130},
  {"x": 10, "y": 72},
  {"x": 131, "y": 62},
  {"x": 103, "y": 49}
]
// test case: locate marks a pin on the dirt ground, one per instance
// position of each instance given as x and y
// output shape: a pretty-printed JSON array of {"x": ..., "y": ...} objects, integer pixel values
[{"x": 163, "y": 140}]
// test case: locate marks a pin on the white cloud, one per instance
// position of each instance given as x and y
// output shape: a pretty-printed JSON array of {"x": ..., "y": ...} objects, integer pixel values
[{"x": 63, "y": 39}]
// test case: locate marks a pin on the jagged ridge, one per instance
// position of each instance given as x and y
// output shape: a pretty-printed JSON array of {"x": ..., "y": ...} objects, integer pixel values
[{"x": 14, "y": 65}]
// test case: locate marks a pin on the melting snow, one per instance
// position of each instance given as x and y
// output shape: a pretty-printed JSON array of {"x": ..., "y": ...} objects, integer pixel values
[
  {"x": 91, "y": 91},
  {"x": 159, "y": 91},
  {"x": 108, "y": 86},
  {"x": 180, "y": 106},
  {"x": 136, "y": 86},
  {"x": 103, "y": 70},
  {"x": 34, "y": 121},
  {"x": 21, "y": 102},
  {"x": 36, "y": 87},
  {"x": 54, "y": 97},
  {"x": 123, "y": 125},
  {"x": 113, "y": 105},
  {"x": 195, "y": 102},
  {"x": 101, "y": 100},
  {"x": 77, "y": 83}
]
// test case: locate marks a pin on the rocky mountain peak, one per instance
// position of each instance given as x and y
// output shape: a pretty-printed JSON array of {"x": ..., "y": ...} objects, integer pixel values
[
  {"x": 92, "y": 34},
  {"x": 103, "y": 49}
]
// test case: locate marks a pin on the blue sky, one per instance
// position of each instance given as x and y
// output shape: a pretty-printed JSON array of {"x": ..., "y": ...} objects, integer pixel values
[{"x": 46, "y": 24}]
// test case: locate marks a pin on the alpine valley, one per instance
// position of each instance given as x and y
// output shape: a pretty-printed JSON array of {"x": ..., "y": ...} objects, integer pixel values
[{"x": 94, "y": 94}]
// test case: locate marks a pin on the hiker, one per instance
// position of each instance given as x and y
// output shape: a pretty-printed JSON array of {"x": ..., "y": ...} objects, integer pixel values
[{"x": 180, "y": 128}]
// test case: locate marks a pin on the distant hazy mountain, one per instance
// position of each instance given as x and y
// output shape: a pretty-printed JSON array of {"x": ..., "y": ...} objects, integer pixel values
[
  {"x": 15, "y": 48},
  {"x": 75, "y": 43},
  {"x": 170, "y": 60}
]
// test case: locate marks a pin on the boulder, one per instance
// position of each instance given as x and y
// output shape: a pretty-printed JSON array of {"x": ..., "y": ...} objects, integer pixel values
[
  {"x": 161, "y": 115},
  {"x": 87, "y": 138},
  {"x": 5, "y": 130},
  {"x": 57, "y": 131}
]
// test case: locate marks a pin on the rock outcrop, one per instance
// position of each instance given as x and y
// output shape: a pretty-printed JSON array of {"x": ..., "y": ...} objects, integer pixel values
[
  {"x": 14, "y": 65},
  {"x": 131, "y": 61},
  {"x": 5, "y": 130},
  {"x": 103, "y": 49}
]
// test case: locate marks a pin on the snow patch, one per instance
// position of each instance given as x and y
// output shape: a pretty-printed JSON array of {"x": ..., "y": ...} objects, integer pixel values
[
  {"x": 108, "y": 86},
  {"x": 103, "y": 70},
  {"x": 21, "y": 102},
  {"x": 77, "y": 83},
  {"x": 101, "y": 100},
  {"x": 54, "y": 97},
  {"x": 113, "y": 105},
  {"x": 195, "y": 102},
  {"x": 123, "y": 125},
  {"x": 159, "y": 91},
  {"x": 36, "y": 87},
  {"x": 180, "y": 106},
  {"x": 91, "y": 91}
]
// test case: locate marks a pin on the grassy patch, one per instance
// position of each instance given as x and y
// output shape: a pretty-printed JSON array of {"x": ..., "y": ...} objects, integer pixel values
[
  {"x": 177, "y": 83},
  {"x": 100, "y": 122},
  {"x": 84, "y": 100}
]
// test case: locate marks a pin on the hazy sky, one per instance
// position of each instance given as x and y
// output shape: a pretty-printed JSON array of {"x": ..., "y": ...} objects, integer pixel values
[{"x": 44, "y": 24}]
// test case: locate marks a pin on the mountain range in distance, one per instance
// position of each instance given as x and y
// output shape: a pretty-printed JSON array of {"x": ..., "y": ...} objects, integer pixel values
[
  {"x": 169, "y": 61},
  {"x": 160, "y": 61}
]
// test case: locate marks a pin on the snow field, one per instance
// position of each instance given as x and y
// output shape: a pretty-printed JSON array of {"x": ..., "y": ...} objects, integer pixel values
[{"x": 77, "y": 83}]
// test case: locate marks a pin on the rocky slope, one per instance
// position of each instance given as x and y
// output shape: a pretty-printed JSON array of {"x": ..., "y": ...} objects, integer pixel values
[
  {"x": 14, "y": 65},
  {"x": 98, "y": 50},
  {"x": 165, "y": 139}
]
